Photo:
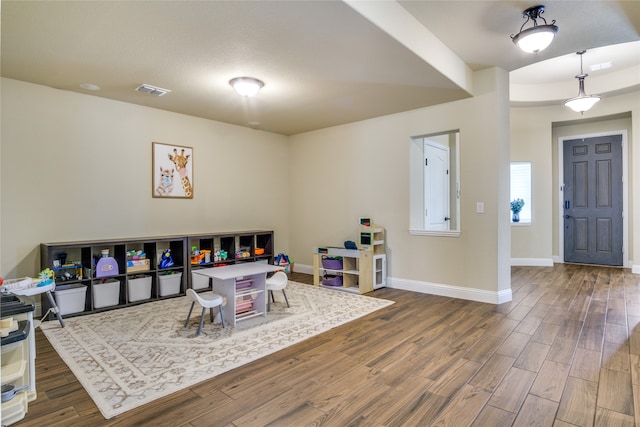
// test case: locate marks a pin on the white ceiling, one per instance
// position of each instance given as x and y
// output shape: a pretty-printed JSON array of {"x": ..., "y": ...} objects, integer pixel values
[{"x": 323, "y": 62}]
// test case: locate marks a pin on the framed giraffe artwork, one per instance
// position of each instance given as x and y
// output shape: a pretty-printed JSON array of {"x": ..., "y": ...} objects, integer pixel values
[{"x": 172, "y": 171}]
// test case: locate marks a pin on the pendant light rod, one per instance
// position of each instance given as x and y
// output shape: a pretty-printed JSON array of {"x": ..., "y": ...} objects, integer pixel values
[{"x": 582, "y": 102}]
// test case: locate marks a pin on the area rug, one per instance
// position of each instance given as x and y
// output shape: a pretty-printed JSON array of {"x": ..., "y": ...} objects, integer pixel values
[{"x": 127, "y": 357}]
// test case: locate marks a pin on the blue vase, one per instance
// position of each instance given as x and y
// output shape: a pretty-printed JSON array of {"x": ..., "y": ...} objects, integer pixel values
[{"x": 516, "y": 216}]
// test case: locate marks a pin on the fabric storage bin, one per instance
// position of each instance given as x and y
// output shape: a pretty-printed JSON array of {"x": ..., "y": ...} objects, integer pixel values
[
  {"x": 105, "y": 294},
  {"x": 331, "y": 263},
  {"x": 330, "y": 280},
  {"x": 139, "y": 288},
  {"x": 70, "y": 298},
  {"x": 170, "y": 284},
  {"x": 198, "y": 281}
]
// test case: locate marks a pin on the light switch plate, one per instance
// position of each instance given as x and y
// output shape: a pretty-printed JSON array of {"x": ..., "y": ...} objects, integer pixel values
[{"x": 480, "y": 207}]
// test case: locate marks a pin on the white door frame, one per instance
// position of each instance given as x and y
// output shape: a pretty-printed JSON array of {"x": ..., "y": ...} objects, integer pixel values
[{"x": 626, "y": 262}]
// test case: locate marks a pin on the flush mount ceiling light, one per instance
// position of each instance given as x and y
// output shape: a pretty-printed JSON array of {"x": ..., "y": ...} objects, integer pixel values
[
  {"x": 582, "y": 102},
  {"x": 89, "y": 86},
  {"x": 538, "y": 37},
  {"x": 246, "y": 86}
]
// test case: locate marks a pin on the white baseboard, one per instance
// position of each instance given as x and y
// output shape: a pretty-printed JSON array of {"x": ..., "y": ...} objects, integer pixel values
[
  {"x": 635, "y": 269},
  {"x": 303, "y": 268},
  {"x": 532, "y": 262},
  {"x": 472, "y": 294}
]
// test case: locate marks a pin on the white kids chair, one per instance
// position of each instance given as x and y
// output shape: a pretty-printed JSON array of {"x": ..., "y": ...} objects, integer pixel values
[
  {"x": 277, "y": 282},
  {"x": 206, "y": 300}
]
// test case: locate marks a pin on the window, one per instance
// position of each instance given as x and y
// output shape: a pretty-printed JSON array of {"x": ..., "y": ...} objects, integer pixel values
[
  {"x": 435, "y": 185},
  {"x": 521, "y": 188}
]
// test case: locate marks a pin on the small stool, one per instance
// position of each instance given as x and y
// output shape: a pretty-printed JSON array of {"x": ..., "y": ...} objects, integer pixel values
[
  {"x": 206, "y": 300},
  {"x": 277, "y": 282}
]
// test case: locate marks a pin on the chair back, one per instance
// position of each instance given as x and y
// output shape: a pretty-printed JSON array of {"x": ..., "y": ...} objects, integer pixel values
[
  {"x": 277, "y": 281},
  {"x": 193, "y": 296}
]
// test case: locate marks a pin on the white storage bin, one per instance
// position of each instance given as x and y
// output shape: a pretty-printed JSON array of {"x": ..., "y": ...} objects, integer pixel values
[
  {"x": 105, "y": 294},
  {"x": 198, "y": 281},
  {"x": 170, "y": 284},
  {"x": 139, "y": 288},
  {"x": 70, "y": 298}
]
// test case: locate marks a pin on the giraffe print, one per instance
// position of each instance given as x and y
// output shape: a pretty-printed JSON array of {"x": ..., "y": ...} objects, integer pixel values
[{"x": 181, "y": 166}]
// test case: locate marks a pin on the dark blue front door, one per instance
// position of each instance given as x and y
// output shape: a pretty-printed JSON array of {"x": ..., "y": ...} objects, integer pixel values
[{"x": 593, "y": 200}]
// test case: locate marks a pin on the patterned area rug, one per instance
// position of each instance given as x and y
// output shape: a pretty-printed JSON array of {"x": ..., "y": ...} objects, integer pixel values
[{"x": 131, "y": 356}]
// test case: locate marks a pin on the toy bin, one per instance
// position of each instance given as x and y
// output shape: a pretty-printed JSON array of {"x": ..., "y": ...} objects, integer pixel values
[
  {"x": 70, "y": 298},
  {"x": 105, "y": 294},
  {"x": 198, "y": 281},
  {"x": 331, "y": 280},
  {"x": 331, "y": 263},
  {"x": 170, "y": 284},
  {"x": 139, "y": 288}
]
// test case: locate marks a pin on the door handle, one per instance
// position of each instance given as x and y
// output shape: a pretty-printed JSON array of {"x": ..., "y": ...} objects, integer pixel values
[
  {"x": 567, "y": 216},
  {"x": 566, "y": 204},
  {"x": 446, "y": 218}
]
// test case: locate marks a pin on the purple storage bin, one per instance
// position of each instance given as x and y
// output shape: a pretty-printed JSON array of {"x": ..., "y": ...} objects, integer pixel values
[
  {"x": 332, "y": 263},
  {"x": 330, "y": 280}
]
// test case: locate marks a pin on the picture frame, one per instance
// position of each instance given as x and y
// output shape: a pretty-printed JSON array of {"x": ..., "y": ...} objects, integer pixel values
[{"x": 171, "y": 171}]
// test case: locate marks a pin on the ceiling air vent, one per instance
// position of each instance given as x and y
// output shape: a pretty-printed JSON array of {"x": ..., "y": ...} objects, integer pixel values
[{"x": 152, "y": 90}]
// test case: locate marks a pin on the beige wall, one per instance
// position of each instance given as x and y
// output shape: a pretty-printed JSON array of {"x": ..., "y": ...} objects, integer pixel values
[
  {"x": 362, "y": 169},
  {"x": 531, "y": 142},
  {"x": 78, "y": 167},
  {"x": 534, "y": 135}
]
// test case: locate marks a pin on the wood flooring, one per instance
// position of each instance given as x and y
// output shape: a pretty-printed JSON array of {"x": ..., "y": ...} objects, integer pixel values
[{"x": 565, "y": 352}]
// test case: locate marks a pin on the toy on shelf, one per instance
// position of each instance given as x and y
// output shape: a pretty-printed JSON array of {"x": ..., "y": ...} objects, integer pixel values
[
  {"x": 107, "y": 266},
  {"x": 220, "y": 255},
  {"x": 137, "y": 261},
  {"x": 200, "y": 256},
  {"x": 135, "y": 255},
  {"x": 166, "y": 260},
  {"x": 243, "y": 254},
  {"x": 66, "y": 272},
  {"x": 197, "y": 258}
]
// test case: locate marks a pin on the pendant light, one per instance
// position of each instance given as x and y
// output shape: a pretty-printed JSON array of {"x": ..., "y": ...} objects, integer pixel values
[
  {"x": 582, "y": 102},
  {"x": 538, "y": 37}
]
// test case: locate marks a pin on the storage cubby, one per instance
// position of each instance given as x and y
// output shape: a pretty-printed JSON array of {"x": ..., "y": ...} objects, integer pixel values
[
  {"x": 263, "y": 248},
  {"x": 201, "y": 251},
  {"x": 356, "y": 270},
  {"x": 127, "y": 281},
  {"x": 228, "y": 245},
  {"x": 363, "y": 269},
  {"x": 245, "y": 247}
]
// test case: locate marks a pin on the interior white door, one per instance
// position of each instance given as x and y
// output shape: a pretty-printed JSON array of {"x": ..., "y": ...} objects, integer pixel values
[{"x": 436, "y": 186}]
